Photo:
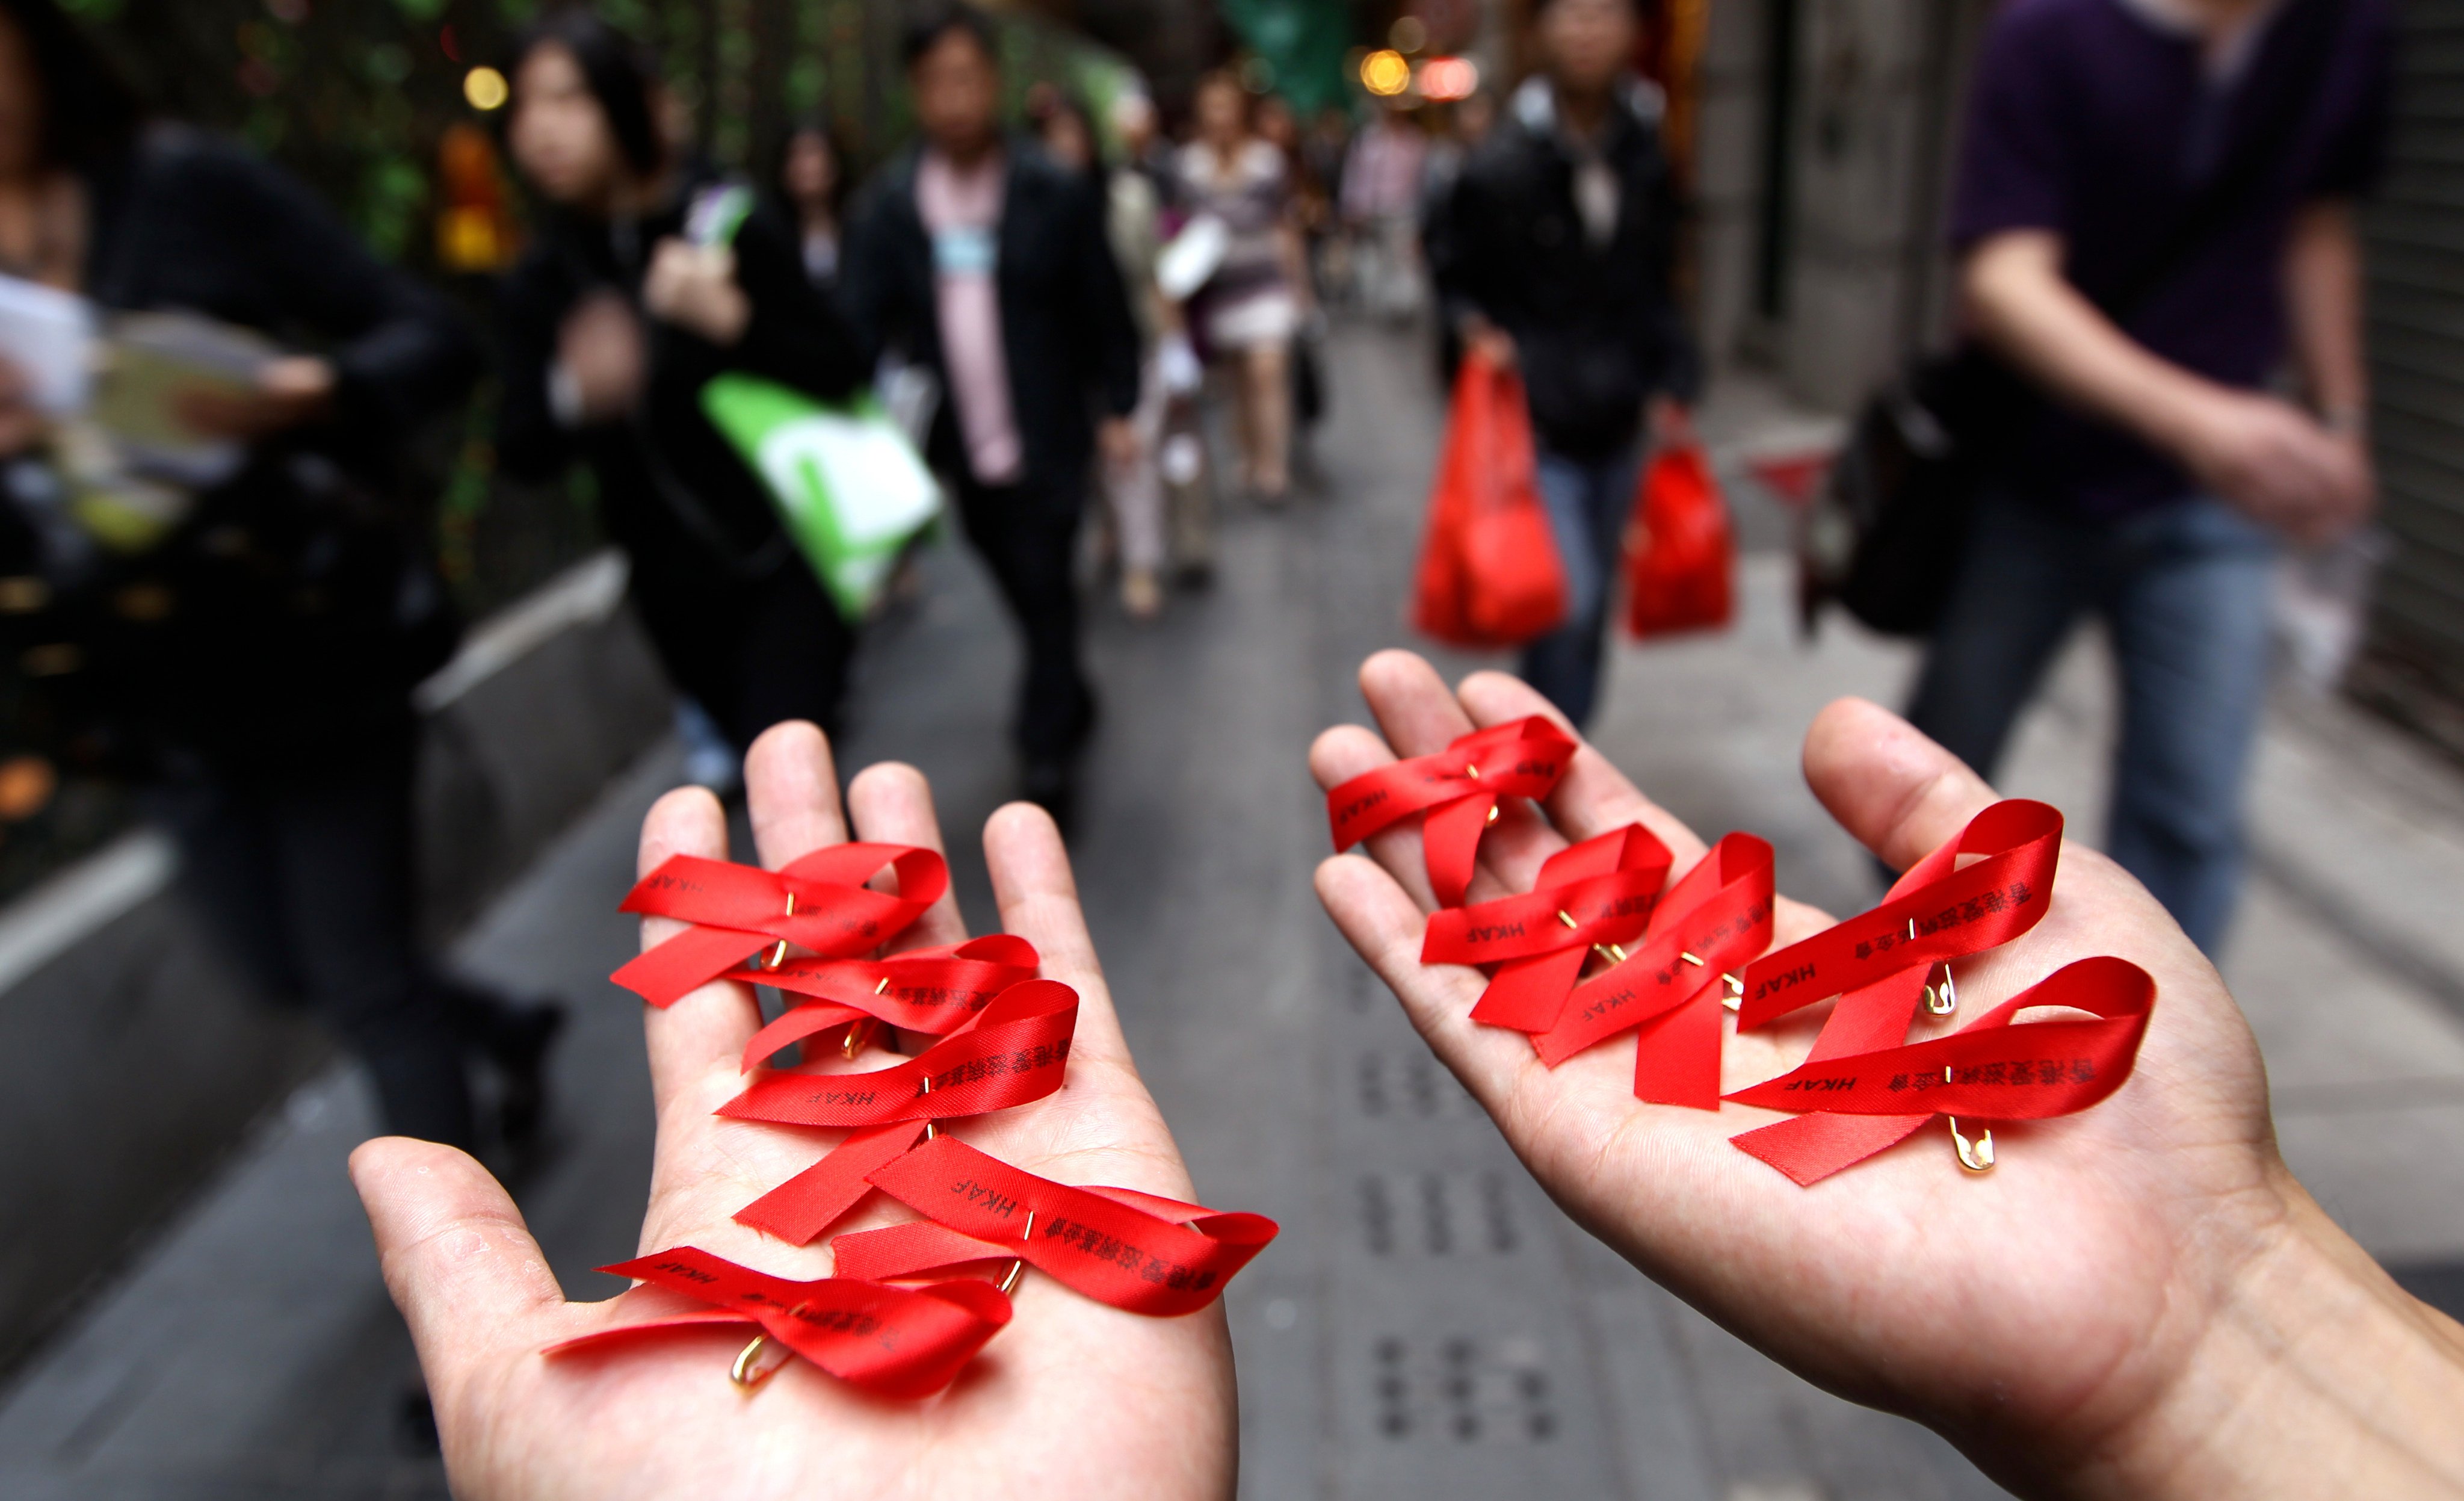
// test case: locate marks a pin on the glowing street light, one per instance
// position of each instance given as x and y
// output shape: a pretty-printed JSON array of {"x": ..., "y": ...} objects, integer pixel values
[
  {"x": 486, "y": 89},
  {"x": 1448, "y": 79},
  {"x": 1385, "y": 73}
]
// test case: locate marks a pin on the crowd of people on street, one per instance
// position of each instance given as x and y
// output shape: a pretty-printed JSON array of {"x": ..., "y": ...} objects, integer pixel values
[{"x": 1062, "y": 314}]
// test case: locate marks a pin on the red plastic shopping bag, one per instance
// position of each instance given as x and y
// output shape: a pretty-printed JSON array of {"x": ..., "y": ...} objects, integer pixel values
[
  {"x": 1680, "y": 556},
  {"x": 1490, "y": 574}
]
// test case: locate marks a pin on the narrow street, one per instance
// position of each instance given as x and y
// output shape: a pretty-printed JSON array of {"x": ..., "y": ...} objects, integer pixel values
[{"x": 1429, "y": 1325}]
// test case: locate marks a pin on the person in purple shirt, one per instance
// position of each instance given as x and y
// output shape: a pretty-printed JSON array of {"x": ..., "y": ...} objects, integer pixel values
[{"x": 2154, "y": 210}]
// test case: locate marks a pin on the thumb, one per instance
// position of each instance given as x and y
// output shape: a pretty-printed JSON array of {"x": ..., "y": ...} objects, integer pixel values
[
  {"x": 458, "y": 1260},
  {"x": 1896, "y": 791}
]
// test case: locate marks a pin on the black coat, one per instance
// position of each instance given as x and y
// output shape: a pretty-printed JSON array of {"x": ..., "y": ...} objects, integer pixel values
[
  {"x": 1067, "y": 334},
  {"x": 293, "y": 606},
  {"x": 1595, "y": 326}
]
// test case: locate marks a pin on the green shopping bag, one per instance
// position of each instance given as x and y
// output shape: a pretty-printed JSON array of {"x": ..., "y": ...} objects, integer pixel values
[{"x": 850, "y": 487}]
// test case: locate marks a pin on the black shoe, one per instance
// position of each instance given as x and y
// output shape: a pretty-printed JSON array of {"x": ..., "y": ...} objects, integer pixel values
[
  {"x": 1052, "y": 786},
  {"x": 519, "y": 1049}
]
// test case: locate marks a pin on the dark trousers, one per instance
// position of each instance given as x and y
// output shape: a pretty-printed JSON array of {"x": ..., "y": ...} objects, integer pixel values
[
  {"x": 752, "y": 651},
  {"x": 2184, "y": 592},
  {"x": 303, "y": 874},
  {"x": 1027, "y": 534},
  {"x": 1588, "y": 500}
]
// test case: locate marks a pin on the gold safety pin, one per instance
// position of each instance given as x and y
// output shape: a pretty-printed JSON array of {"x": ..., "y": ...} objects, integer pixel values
[
  {"x": 1943, "y": 999},
  {"x": 1018, "y": 1269},
  {"x": 1735, "y": 996},
  {"x": 779, "y": 952},
  {"x": 1977, "y": 1156}
]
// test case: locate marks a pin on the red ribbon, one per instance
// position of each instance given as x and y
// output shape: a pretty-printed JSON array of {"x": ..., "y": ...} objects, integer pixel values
[
  {"x": 1132, "y": 1251},
  {"x": 1588, "y": 895},
  {"x": 1936, "y": 911},
  {"x": 800, "y": 1209},
  {"x": 818, "y": 901},
  {"x": 1015, "y": 1052},
  {"x": 895, "y": 1341},
  {"x": 1710, "y": 923},
  {"x": 934, "y": 990},
  {"x": 1458, "y": 787}
]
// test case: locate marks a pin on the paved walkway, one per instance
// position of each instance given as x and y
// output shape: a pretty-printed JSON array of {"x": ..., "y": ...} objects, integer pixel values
[{"x": 1429, "y": 1326}]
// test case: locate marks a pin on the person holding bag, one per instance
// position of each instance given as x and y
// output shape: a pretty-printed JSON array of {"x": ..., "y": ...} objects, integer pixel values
[
  {"x": 615, "y": 325},
  {"x": 2155, "y": 208},
  {"x": 1557, "y": 255}
]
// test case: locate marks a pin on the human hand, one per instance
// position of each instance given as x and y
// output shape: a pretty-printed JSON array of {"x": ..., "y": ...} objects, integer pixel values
[
  {"x": 600, "y": 349},
  {"x": 21, "y": 423},
  {"x": 1084, "y": 1399},
  {"x": 290, "y": 391},
  {"x": 1671, "y": 422},
  {"x": 1491, "y": 342},
  {"x": 1118, "y": 438},
  {"x": 2109, "y": 1312},
  {"x": 2280, "y": 464},
  {"x": 693, "y": 287}
]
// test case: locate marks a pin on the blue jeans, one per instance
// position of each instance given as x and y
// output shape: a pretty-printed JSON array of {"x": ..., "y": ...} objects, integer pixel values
[
  {"x": 2185, "y": 591},
  {"x": 1588, "y": 500}
]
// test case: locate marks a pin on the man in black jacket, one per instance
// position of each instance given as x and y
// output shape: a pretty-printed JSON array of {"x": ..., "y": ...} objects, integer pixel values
[
  {"x": 982, "y": 259},
  {"x": 1557, "y": 259}
]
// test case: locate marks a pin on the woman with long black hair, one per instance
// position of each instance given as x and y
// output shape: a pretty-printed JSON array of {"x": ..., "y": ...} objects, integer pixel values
[
  {"x": 245, "y": 638},
  {"x": 614, "y": 323}
]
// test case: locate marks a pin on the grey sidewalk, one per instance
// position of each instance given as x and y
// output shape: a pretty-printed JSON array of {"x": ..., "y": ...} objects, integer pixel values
[{"x": 1429, "y": 1325}]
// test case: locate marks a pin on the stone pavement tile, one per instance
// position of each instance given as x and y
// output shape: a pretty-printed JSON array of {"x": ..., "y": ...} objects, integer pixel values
[
  {"x": 2334, "y": 1025},
  {"x": 2392, "y": 1176}
]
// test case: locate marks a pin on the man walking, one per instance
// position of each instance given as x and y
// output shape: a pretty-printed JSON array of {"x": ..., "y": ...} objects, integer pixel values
[
  {"x": 976, "y": 255},
  {"x": 1558, "y": 255},
  {"x": 2154, "y": 209}
]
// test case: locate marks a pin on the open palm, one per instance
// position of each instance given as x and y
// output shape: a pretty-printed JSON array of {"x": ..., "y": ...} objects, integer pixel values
[
  {"x": 2044, "y": 1315},
  {"x": 1073, "y": 1397}
]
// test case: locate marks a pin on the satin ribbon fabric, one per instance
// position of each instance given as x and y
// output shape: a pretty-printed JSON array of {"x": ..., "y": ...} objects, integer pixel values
[
  {"x": 1458, "y": 788},
  {"x": 1132, "y": 1251},
  {"x": 1588, "y": 895},
  {"x": 1672, "y": 988},
  {"x": 1015, "y": 1052},
  {"x": 935, "y": 991},
  {"x": 894, "y": 1341},
  {"x": 818, "y": 901}
]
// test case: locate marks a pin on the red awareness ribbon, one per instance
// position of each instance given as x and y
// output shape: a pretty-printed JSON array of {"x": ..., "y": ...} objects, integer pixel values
[
  {"x": 1709, "y": 924},
  {"x": 1458, "y": 787},
  {"x": 1017, "y": 1050},
  {"x": 934, "y": 992},
  {"x": 1135, "y": 1252},
  {"x": 1879, "y": 962},
  {"x": 818, "y": 901},
  {"x": 905, "y": 1343},
  {"x": 1991, "y": 1068},
  {"x": 1594, "y": 895}
]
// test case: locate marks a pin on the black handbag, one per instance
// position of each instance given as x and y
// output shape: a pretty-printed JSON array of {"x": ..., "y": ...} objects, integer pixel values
[{"x": 1885, "y": 536}]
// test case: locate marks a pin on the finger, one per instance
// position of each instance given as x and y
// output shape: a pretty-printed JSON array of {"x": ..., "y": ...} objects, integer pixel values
[
  {"x": 1896, "y": 791},
  {"x": 1038, "y": 896},
  {"x": 791, "y": 788},
  {"x": 457, "y": 1257},
  {"x": 1414, "y": 706},
  {"x": 717, "y": 1021},
  {"x": 1593, "y": 797},
  {"x": 892, "y": 804},
  {"x": 1348, "y": 751}
]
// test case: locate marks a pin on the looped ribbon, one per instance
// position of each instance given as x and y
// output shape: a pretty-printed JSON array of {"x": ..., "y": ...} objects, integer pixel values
[
  {"x": 818, "y": 901},
  {"x": 935, "y": 991},
  {"x": 1596, "y": 895},
  {"x": 1675, "y": 986},
  {"x": 1880, "y": 963},
  {"x": 903, "y": 1342},
  {"x": 1015, "y": 1051},
  {"x": 1136, "y": 1251},
  {"x": 1458, "y": 788}
]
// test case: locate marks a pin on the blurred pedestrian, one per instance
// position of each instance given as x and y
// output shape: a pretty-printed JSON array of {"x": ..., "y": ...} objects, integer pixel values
[
  {"x": 242, "y": 630},
  {"x": 1381, "y": 204},
  {"x": 2155, "y": 205},
  {"x": 979, "y": 256},
  {"x": 1558, "y": 258},
  {"x": 810, "y": 184},
  {"x": 613, "y": 323},
  {"x": 1465, "y": 127},
  {"x": 1251, "y": 308}
]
